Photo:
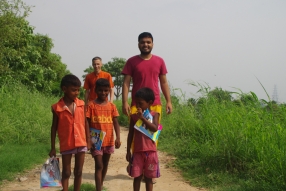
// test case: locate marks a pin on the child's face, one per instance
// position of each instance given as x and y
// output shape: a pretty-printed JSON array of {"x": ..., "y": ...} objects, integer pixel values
[
  {"x": 102, "y": 93},
  {"x": 141, "y": 103},
  {"x": 71, "y": 92}
]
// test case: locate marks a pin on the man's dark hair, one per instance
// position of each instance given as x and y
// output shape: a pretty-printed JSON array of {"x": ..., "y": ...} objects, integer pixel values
[
  {"x": 96, "y": 58},
  {"x": 102, "y": 82},
  {"x": 146, "y": 94},
  {"x": 145, "y": 35},
  {"x": 70, "y": 80}
]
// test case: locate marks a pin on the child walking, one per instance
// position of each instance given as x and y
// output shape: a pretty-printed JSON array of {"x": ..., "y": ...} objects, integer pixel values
[
  {"x": 144, "y": 159},
  {"x": 102, "y": 115},
  {"x": 70, "y": 124}
]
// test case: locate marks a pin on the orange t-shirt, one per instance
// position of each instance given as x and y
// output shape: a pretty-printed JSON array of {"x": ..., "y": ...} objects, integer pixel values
[
  {"x": 71, "y": 128},
  {"x": 101, "y": 118},
  {"x": 90, "y": 79}
]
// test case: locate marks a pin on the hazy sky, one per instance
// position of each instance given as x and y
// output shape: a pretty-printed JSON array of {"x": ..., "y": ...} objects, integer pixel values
[{"x": 228, "y": 44}]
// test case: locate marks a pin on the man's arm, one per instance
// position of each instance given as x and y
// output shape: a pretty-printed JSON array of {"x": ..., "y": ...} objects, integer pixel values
[
  {"x": 125, "y": 91},
  {"x": 111, "y": 94},
  {"x": 166, "y": 91},
  {"x": 86, "y": 96}
]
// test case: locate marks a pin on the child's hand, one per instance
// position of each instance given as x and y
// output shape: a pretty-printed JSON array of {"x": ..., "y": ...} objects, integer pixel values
[
  {"x": 52, "y": 153},
  {"x": 139, "y": 113},
  {"x": 128, "y": 156},
  {"x": 89, "y": 143},
  {"x": 117, "y": 143}
]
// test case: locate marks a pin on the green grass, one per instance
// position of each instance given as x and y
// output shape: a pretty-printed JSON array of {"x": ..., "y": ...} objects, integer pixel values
[
  {"x": 25, "y": 129},
  {"x": 86, "y": 187},
  {"x": 18, "y": 158},
  {"x": 228, "y": 146}
]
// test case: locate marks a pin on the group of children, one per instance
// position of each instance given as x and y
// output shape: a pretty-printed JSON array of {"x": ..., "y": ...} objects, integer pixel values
[{"x": 72, "y": 119}]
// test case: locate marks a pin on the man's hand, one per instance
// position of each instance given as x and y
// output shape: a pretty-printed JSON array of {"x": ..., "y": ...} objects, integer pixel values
[
  {"x": 126, "y": 109},
  {"x": 169, "y": 108}
]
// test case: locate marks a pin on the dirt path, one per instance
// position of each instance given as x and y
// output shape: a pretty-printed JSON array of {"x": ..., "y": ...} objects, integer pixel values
[{"x": 116, "y": 178}]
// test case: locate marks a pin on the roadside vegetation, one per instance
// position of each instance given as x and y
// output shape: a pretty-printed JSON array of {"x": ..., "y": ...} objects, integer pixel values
[{"x": 224, "y": 143}]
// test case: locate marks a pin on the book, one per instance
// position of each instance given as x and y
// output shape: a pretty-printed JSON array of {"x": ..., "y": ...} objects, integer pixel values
[
  {"x": 140, "y": 126},
  {"x": 97, "y": 137}
]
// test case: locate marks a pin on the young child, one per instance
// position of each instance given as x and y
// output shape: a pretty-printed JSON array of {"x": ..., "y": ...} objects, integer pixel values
[
  {"x": 102, "y": 115},
  {"x": 144, "y": 161},
  {"x": 71, "y": 126}
]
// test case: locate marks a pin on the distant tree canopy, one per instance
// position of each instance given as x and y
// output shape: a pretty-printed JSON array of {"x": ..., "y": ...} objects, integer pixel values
[
  {"x": 114, "y": 67},
  {"x": 26, "y": 56}
]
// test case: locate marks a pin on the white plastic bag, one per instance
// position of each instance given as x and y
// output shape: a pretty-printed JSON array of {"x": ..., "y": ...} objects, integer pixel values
[{"x": 50, "y": 173}]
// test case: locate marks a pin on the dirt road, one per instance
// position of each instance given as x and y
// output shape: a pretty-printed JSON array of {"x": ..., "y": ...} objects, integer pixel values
[{"x": 116, "y": 178}]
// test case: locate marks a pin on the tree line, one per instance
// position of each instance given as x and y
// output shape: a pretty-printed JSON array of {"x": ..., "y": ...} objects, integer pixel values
[{"x": 26, "y": 57}]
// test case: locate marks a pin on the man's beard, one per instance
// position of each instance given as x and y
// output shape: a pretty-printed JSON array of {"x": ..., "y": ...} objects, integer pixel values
[{"x": 145, "y": 53}]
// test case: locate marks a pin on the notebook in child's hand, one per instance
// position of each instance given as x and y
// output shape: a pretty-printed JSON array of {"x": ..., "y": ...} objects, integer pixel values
[
  {"x": 140, "y": 126},
  {"x": 97, "y": 137}
]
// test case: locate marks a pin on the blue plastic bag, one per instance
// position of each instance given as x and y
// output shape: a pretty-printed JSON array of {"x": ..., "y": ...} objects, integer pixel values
[{"x": 50, "y": 174}]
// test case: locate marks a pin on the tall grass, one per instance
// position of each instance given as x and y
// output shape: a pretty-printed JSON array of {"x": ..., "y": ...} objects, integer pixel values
[
  {"x": 244, "y": 142},
  {"x": 25, "y": 128}
]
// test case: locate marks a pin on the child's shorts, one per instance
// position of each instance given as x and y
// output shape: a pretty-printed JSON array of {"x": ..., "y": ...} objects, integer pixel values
[
  {"x": 104, "y": 150},
  {"x": 144, "y": 163},
  {"x": 74, "y": 151}
]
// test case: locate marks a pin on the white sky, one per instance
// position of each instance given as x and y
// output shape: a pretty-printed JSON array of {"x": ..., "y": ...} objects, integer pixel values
[{"x": 225, "y": 43}]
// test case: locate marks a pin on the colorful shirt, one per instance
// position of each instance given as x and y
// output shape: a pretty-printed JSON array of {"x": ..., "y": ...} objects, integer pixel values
[
  {"x": 101, "y": 118},
  {"x": 90, "y": 79},
  {"x": 141, "y": 141},
  {"x": 71, "y": 128},
  {"x": 145, "y": 73}
]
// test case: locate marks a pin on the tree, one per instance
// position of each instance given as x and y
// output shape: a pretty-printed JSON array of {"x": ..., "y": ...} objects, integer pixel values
[
  {"x": 220, "y": 94},
  {"x": 114, "y": 67},
  {"x": 25, "y": 56},
  {"x": 87, "y": 71}
]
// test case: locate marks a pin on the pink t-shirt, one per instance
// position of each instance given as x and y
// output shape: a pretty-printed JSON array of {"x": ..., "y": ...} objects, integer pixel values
[
  {"x": 141, "y": 141},
  {"x": 145, "y": 73}
]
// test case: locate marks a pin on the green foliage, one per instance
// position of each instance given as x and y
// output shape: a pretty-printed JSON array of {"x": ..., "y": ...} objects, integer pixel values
[
  {"x": 26, "y": 56},
  {"x": 220, "y": 95},
  {"x": 85, "y": 187},
  {"x": 25, "y": 116},
  {"x": 225, "y": 146},
  {"x": 87, "y": 71},
  {"x": 115, "y": 67},
  {"x": 25, "y": 128},
  {"x": 17, "y": 158},
  {"x": 122, "y": 119}
]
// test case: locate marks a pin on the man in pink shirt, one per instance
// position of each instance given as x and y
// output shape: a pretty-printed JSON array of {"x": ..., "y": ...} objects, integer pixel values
[{"x": 145, "y": 70}]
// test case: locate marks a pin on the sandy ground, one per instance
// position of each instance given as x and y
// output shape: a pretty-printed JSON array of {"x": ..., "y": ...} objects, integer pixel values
[{"x": 116, "y": 179}]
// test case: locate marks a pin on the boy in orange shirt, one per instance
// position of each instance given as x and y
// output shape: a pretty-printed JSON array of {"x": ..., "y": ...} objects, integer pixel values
[
  {"x": 102, "y": 115},
  {"x": 72, "y": 128}
]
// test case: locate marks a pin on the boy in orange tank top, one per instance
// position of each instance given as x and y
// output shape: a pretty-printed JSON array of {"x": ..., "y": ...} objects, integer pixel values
[
  {"x": 102, "y": 115},
  {"x": 71, "y": 126}
]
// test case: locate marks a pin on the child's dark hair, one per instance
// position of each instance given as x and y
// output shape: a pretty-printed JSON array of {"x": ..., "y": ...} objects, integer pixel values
[
  {"x": 70, "y": 80},
  {"x": 145, "y": 35},
  {"x": 146, "y": 94},
  {"x": 102, "y": 82}
]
